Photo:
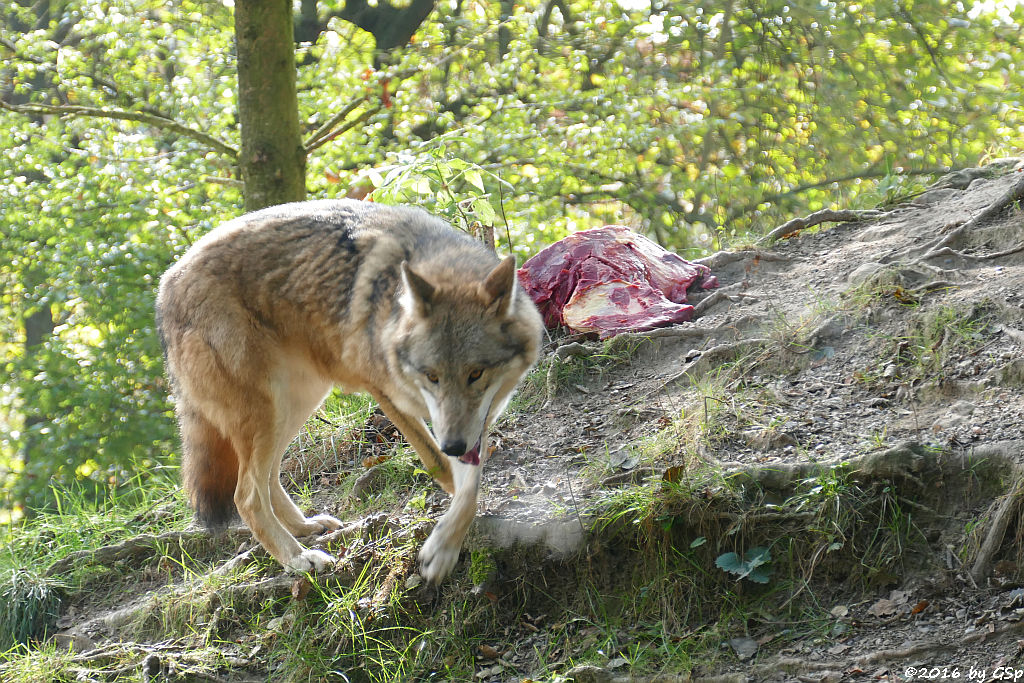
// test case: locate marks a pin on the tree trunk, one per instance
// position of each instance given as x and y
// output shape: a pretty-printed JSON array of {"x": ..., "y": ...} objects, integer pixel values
[
  {"x": 272, "y": 160},
  {"x": 38, "y": 324},
  {"x": 508, "y": 7}
]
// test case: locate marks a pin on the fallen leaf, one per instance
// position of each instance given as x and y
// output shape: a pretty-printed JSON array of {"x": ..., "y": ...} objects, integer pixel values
[
  {"x": 919, "y": 607},
  {"x": 883, "y": 608},
  {"x": 673, "y": 474},
  {"x": 374, "y": 460},
  {"x": 489, "y": 652},
  {"x": 300, "y": 588}
]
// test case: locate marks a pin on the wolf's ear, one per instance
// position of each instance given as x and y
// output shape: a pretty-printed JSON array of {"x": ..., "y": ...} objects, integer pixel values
[
  {"x": 417, "y": 293},
  {"x": 499, "y": 286}
]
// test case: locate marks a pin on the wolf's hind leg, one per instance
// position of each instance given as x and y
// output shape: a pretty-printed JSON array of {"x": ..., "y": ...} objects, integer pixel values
[
  {"x": 297, "y": 393},
  {"x": 254, "y": 498}
]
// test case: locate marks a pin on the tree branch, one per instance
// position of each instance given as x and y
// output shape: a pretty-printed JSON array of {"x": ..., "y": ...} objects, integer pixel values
[
  {"x": 122, "y": 115},
  {"x": 327, "y": 132}
]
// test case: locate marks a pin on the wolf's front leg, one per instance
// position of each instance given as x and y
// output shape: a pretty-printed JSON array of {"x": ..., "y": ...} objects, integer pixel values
[{"x": 441, "y": 551}]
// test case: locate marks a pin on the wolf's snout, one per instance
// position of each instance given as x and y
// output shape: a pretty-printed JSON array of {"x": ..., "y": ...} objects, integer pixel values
[{"x": 454, "y": 448}]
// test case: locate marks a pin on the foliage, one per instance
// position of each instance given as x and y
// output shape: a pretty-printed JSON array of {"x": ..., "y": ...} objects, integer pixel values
[
  {"x": 695, "y": 122},
  {"x": 465, "y": 194},
  {"x": 754, "y": 564}
]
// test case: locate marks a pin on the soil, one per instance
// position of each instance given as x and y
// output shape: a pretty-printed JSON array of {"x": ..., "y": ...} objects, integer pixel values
[{"x": 894, "y": 344}]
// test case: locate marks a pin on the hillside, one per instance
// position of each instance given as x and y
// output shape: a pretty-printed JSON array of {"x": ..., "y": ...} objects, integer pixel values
[{"x": 817, "y": 479}]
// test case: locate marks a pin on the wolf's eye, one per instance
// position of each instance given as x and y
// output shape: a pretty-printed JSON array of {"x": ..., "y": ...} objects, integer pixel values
[
  {"x": 432, "y": 377},
  {"x": 475, "y": 375}
]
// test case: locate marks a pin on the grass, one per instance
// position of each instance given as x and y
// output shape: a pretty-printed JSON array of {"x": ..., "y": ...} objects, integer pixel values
[
  {"x": 32, "y": 600},
  {"x": 553, "y": 375},
  {"x": 647, "y": 595},
  {"x": 931, "y": 339}
]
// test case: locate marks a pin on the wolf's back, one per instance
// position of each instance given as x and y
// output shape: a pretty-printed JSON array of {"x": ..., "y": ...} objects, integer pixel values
[{"x": 320, "y": 276}]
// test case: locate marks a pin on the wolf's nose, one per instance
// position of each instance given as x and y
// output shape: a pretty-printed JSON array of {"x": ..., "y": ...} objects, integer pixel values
[{"x": 454, "y": 448}]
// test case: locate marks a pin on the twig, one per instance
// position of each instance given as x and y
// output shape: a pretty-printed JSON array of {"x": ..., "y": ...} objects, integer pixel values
[
  {"x": 713, "y": 300},
  {"x": 328, "y": 132},
  {"x": 629, "y": 476},
  {"x": 122, "y": 115}
]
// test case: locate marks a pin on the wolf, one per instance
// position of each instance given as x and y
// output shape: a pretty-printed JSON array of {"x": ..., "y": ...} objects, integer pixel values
[{"x": 266, "y": 313}]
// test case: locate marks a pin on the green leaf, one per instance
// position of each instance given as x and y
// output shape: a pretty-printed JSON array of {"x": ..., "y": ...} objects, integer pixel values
[
  {"x": 753, "y": 565},
  {"x": 473, "y": 177},
  {"x": 484, "y": 211}
]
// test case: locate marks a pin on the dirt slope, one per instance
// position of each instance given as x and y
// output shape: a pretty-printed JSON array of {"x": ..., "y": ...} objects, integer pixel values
[
  {"x": 893, "y": 344},
  {"x": 895, "y": 336}
]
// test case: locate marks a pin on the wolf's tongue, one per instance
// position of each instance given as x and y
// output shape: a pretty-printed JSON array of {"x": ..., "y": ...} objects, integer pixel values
[{"x": 471, "y": 457}]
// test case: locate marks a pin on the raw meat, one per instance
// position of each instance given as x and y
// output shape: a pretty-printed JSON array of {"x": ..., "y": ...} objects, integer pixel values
[{"x": 610, "y": 280}]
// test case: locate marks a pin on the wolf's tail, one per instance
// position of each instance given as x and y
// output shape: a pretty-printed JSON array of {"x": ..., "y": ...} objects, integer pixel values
[{"x": 209, "y": 470}]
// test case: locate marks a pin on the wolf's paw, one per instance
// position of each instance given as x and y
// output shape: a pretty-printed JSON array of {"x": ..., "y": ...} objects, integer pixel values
[
  {"x": 319, "y": 524},
  {"x": 324, "y": 523},
  {"x": 309, "y": 560},
  {"x": 438, "y": 556}
]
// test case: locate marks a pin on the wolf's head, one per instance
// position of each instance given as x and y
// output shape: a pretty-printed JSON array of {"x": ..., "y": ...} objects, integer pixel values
[{"x": 464, "y": 342}]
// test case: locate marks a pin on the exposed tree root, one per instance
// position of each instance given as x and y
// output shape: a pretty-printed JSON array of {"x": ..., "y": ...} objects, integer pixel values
[
  {"x": 1005, "y": 511},
  {"x": 594, "y": 674},
  {"x": 150, "y": 661},
  {"x": 950, "y": 252},
  {"x": 903, "y": 462},
  {"x": 147, "y": 545},
  {"x": 1013, "y": 194},
  {"x": 819, "y": 217},
  {"x": 720, "y": 259},
  {"x": 918, "y": 652},
  {"x": 1014, "y": 334}
]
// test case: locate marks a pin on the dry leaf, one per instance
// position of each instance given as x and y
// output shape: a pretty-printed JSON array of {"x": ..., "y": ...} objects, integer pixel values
[
  {"x": 883, "y": 608},
  {"x": 489, "y": 652},
  {"x": 300, "y": 588}
]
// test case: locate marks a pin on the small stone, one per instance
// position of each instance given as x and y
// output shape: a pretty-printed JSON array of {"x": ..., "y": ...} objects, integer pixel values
[{"x": 745, "y": 648}]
